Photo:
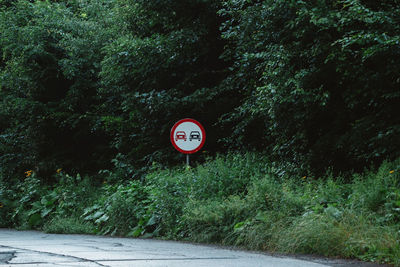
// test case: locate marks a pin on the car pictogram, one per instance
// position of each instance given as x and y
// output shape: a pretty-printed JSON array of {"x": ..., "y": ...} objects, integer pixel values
[
  {"x": 180, "y": 135},
  {"x": 194, "y": 135}
]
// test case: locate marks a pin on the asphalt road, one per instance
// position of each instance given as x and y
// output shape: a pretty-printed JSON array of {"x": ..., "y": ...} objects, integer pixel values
[{"x": 31, "y": 248}]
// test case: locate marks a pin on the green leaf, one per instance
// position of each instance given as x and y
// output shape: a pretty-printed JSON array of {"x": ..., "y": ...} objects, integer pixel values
[
  {"x": 45, "y": 212},
  {"x": 136, "y": 232},
  {"x": 35, "y": 220},
  {"x": 102, "y": 219}
]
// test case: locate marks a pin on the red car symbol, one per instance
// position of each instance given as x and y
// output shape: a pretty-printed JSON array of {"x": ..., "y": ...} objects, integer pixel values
[{"x": 180, "y": 135}]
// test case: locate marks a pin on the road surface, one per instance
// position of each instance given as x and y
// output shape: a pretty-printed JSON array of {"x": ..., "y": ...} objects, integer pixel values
[{"x": 31, "y": 248}]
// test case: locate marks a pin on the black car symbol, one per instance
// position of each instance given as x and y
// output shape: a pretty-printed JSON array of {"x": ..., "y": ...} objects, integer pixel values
[{"x": 194, "y": 135}]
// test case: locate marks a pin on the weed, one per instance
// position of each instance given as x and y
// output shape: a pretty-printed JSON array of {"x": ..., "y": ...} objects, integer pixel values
[{"x": 69, "y": 225}]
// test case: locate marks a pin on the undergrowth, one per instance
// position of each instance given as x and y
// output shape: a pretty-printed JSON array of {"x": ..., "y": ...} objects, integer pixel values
[{"x": 238, "y": 200}]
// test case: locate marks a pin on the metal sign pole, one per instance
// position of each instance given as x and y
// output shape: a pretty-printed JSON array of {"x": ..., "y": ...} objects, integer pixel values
[{"x": 187, "y": 160}]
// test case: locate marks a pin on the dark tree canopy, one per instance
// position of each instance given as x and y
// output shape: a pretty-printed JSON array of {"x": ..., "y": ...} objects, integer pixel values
[{"x": 87, "y": 84}]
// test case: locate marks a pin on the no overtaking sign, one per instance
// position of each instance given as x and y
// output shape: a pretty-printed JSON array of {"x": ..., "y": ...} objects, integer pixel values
[{"x": 188, "y": 136}]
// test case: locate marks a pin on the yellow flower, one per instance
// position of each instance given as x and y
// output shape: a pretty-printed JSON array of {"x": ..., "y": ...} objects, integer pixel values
[
  {"x": 59, "y": 170},
  {"x": 28, "y": 173},
  {"x": 392, "y": 171},
  {"x": 304, "y": 177}
]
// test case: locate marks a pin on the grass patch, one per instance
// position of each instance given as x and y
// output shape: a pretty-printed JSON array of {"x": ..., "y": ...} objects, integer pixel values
[{"x": 71, "y": 225}]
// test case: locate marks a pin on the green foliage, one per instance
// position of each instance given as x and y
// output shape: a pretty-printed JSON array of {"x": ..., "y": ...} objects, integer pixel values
[
  {"x": 267, "y": 211},
  {"x": 311, "y": 84},
  {"x": 379, "y": 192},
  {"x": 122, "y": 210},
  {"x": 28, "y": 209},
  {"x": 48, "y": 81},
  {"x": 237, "y": 200},
  {"x": 285, "y": 214},
  {"x": 318, "y": 79},
  {"x": 97, "y": 85},
  {"x": 350, "y": 235},
  {"x": 68, "y": 225},
  {"x": 29, "y": 204},
  {"x": 163, "y": 67},
  {"x": 213, "y": 221},
  {"x": 215, "y": 179},
  {"x": 6, "y": 196}
]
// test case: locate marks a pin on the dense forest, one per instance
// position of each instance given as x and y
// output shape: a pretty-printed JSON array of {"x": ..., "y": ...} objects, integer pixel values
[{"x": 87, "y": 85}]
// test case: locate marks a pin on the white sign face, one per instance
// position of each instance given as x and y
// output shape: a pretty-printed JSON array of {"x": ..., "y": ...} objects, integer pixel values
[{"x": 188, "y": 136}]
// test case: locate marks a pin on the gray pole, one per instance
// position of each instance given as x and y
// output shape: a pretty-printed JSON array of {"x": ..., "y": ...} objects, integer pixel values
[{"x": 187, "y": 160}]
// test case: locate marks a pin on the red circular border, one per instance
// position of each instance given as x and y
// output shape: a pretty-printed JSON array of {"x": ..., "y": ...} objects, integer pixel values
[{"x": 203, "y": 139}]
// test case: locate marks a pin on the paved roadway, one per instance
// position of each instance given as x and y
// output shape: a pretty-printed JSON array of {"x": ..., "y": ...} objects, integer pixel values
[{"x": 31, "y": 248}]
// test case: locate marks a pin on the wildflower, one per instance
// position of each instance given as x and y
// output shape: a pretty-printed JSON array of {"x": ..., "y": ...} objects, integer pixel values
[
  {"x": 392, "y": 171},
  {"x": 1, "y": 205},
  {"x": 59, "y": 170},
  {"x": 28, "y": 173},
  {"x": 304, "y": 177}
]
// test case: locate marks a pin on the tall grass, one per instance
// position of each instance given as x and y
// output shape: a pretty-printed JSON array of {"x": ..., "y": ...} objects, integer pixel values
[{"x": 238, "y": 200}]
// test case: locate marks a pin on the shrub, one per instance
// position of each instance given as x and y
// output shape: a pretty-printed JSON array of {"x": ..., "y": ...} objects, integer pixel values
[
  {"x": 217, "y": 179},
  {"x": 6, "y": 205},
  {"x": 232, "y": 200},
  {"x": 226, "y": 176},
  {"x": 29, "y": 204},
  {"x": 268, "y": 193},
  {"x": 259, "y": 232},
  {"x": 371, "y": 191},
  {"x": 213, "y": 221},
  {"x": 169, "y": 191},
  {"x": 122, "y": 210},
  {"x": 27, "y": 207}
]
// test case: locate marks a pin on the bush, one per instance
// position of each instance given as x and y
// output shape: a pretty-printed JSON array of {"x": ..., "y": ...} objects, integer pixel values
[
  {"x": 29, "y": 211},
  {"x": 267, "y": 193},
  {"x": 213, "y": 221},
  {"x": 232, "y": 200},
  {"x": 172, "y": 190},
  {"x": 378, "y": 192},
  {"x": 5, "y": 205},
  {"x": 29, "y": 204},
  {"x": 226, "y": 176},
  {"x": 260, "y": 232},
  {"x": 122, "y": 210}
]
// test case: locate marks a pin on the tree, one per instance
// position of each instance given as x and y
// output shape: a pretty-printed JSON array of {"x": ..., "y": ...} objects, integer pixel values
[
  {"x": 320, "y": 76},
  {"x": 165, "y": 66},
  {"x": 48, "y": 79}
]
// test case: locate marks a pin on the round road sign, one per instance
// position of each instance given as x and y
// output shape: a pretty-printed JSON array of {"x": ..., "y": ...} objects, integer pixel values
[{"x": 188, "y": 136}]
